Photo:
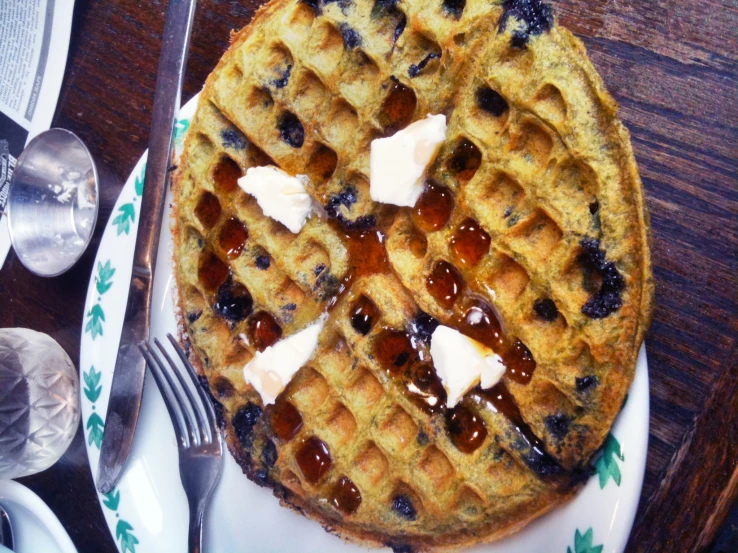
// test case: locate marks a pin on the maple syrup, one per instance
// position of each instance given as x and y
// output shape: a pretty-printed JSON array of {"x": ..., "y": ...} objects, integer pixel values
[
  {"x": 263, "y": 330},
  {"x": 465, "y": 160},
  {"x": 208, "y": 210},
  {"x": 433, "y": 208},
  {"x": 519, "y": 362},
  {"x": 501, "y": 401},
  {"x": 466, "y": 429},
  {"x": 426, "y": 389},
  {"x": 226, "y": 175},
  {"x": 534, "y": 452},
  {"x": 232, "y": 238},
  {"x": 479, "y": 322},
  {"x": 394, "y": 350},
  {"x": 445, "y": 284},
  {"x": 285, "y": 420},
  {"x": 470, "y": 243},
  {"x": 398, "y": 108},
  {"x": 345, "y": 496},
  {"x": 363, "y": 315},
  {"x": 314, "y": 459},
  {"x": 366, "y": 253},
  {"x": 211, "y": 271}
]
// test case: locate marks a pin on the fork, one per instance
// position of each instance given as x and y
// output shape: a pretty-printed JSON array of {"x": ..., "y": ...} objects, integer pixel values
[{"x": 199, "y": 443}]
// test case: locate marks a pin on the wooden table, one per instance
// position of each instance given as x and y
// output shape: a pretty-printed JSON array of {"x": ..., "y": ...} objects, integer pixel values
[{"x": 672, "y": 65}]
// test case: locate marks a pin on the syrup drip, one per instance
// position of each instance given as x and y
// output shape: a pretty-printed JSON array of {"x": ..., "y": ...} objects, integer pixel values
[
  {"x": 528, "y": 446},
  {"x": 519, "y": 362},
  {"x": 366, "y": 254},
  {"x": 466, "y": 429},
  {"x": 397, "y": 352},
  {"x": 470, "y": 243},
  {"x": 394, "y": 351},
  {"x": 363, "y": 315},
  {"x": 263, "y": 330},
  {"x": 232, "y": 238},
  {"x": 501, "y": 401},
  {"x": 211, "y": 271},
  {"x": 445, "y": 284},
  {"x": 479, "y": 322},
  {"x": 426, "y": 389},
  {"x": 226, "y": 175},
  {"x": 314, "y": 459},
  {"x": 397, "y": 109},
  {"x": 433, "y": 208},
  {"x": 285, "y": 419},
  {"x": 345, "y": 496},
  {"x": 208, "y": 210}
]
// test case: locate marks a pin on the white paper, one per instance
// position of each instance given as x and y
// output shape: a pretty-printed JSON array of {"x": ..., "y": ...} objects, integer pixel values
[{"x": 34, "y": 41}]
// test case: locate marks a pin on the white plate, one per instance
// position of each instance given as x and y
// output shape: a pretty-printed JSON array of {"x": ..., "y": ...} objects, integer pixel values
[
  {"x": 35, "y": 527},
  {"x": 147, "y": 513}
]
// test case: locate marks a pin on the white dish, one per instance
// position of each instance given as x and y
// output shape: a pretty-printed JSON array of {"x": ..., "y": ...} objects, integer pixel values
[
  {"x": 147, "y": 513},
  {"x": 35, "y": 527}
]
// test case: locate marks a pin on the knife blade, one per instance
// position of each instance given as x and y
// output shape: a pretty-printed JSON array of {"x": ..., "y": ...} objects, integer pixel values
[{"x": 130, "y": 367}]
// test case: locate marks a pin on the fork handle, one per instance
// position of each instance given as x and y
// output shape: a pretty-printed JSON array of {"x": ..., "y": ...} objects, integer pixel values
[{"x": 195, "y": 532}]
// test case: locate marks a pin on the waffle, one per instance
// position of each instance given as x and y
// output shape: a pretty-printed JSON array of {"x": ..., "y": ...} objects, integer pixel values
[{"x": 531, "y": 236}]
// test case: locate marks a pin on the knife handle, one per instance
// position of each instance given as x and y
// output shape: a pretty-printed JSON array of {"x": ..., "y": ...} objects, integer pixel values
[{"x": 177, "y": 30}]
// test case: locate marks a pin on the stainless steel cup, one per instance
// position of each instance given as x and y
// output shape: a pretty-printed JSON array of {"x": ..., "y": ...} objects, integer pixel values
[{"x": 53, "y": 202}]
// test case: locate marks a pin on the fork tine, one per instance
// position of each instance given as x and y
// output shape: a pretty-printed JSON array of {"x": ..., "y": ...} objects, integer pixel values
[
  {"x": 170, "y": 401},
  {"x": 209, "y": 410},
  {"x": 182, "y": 401},
  {"x": 201, "y": 429}
]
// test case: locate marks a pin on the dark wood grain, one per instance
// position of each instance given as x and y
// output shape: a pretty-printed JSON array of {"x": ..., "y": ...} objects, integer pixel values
[{"x": 673, "y": 67}]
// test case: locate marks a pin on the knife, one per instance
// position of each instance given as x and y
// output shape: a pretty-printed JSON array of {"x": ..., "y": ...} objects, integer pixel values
[{"x": 130, "y": 366}]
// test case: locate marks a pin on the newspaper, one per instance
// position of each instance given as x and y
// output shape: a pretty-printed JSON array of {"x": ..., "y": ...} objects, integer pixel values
[{"x": 34, "y": 41}]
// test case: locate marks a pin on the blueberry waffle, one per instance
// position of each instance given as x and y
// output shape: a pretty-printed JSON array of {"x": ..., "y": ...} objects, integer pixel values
[{"x": 531, "y": 236}]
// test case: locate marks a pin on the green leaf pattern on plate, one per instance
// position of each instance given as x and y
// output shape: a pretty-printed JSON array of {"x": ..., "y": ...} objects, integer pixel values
[
  {"x": 124, "y": 219},
  {"x": 96, "y": 314},
  {"x": 139, "y": 184},
  {"x": 607, "y": 464},
  {"x": 583, "y": 543},
  {"x": 92, "y": 384},
  {"x": 112, "y": 499},
  {"x": 95, "y": 425},
  {"x": 127, "y": 212},
  {"x": 97, "y": 318},
  {"x": 104, "y": 274},
  {"x": 180, "y": 130},
  {"x": 123, "y": 533}
]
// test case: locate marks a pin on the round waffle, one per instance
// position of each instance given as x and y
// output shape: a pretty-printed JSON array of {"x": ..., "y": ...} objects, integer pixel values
[{"x": 531, "y": 236}]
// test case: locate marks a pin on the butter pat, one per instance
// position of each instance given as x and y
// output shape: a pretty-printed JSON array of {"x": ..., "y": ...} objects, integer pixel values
[
  {"x": 280, "y": 196},
  {"x": 461, "y": 363},
  {"x": 271, "y": 370},
  {"x": 397, "y": 163}
]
